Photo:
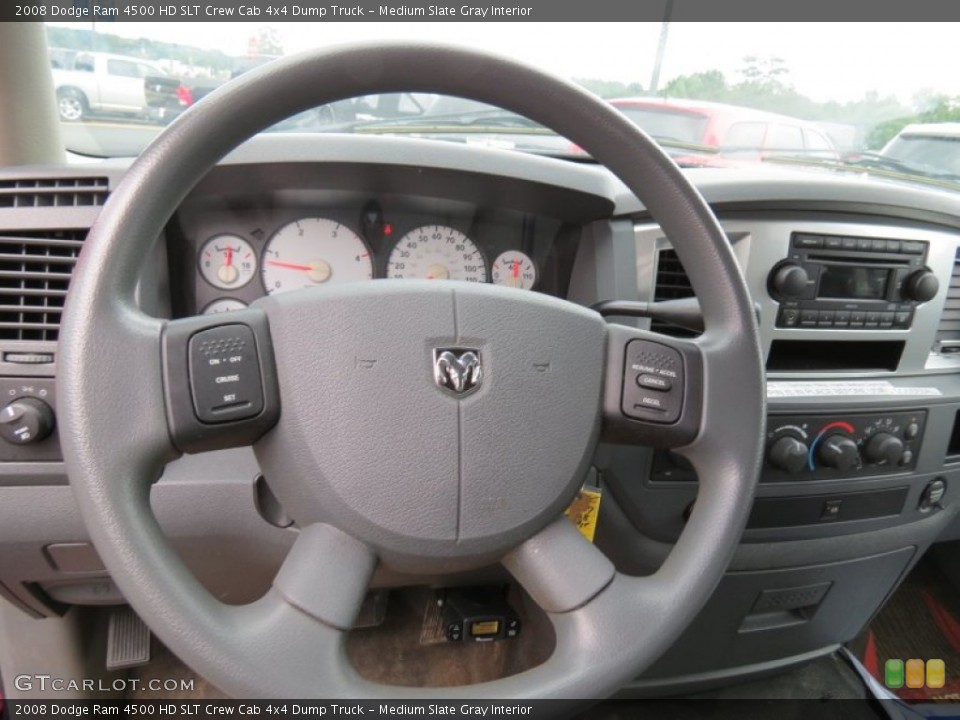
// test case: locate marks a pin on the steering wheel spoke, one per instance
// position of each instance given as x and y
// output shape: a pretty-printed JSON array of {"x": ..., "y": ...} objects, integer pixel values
[
  {"x": 542, "y": 565},
  {"x": 654, "y": 388},
  {"x": 220, "y": 380},
  {"x": 326, "y": 575}
]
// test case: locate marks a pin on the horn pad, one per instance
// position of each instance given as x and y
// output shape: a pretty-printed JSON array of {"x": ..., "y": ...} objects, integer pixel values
[{"x": 440, "y": 422}]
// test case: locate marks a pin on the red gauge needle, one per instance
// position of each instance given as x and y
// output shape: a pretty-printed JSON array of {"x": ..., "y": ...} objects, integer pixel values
[
  {"x": 292, "y": 266},
  {"x": 229, "y": 256},
  {"x": 516, "y": 270}
]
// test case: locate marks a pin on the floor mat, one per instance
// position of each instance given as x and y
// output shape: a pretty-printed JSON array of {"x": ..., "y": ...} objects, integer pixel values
[{"x": 921, "y": 622}]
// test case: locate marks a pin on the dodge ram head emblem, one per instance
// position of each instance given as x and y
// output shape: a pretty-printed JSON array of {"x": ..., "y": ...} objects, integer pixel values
[{"x": 457, "y": 370}]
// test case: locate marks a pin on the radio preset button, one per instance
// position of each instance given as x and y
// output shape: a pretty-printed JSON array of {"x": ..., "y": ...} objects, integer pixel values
[
  {"x": 873, "y": 320},
  {"x": 808, "y": 318},
  {"x": 849, "y": 243},
  {"x": 878, "y": 245},
  {"x": 857, "y": 319},
  {"x": 807, "y": 241},
  {"x": 911, "y": 247},
  {"x": 886, "y": 319},
  {"x": 825, "y": 319},
  {"x": 841, "y": 319},
  {"x": 902, "y": 319},
  {"x": 863, "y": 244},
  {"x": 832, "y": 243},
  {"x": 893, "y": 246}
]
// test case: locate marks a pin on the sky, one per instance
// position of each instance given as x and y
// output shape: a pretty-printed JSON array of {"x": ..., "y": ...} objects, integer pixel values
[{"x": 827, "y": 61}]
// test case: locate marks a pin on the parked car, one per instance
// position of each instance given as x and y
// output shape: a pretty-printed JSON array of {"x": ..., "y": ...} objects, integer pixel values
[
  {"x": 730, "y": 131},
  {"x": 93, "y": 83},
  {"x": 932, "y": 147}
]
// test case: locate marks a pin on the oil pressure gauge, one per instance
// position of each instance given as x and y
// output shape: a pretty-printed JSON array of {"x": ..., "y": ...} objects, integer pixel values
[
  {"x": 223, "y": 305},
  {"x": 514, "y": 269},
  {"x": 227, "y": 261}
]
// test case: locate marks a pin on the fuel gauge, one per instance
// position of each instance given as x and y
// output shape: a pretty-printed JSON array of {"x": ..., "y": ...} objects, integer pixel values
[
  {"x": 227, "y": 261},
  {"x": 514, "y": 269}
]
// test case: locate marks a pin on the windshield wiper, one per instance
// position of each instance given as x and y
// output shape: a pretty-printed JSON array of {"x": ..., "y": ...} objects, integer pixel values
[
  {"x": 875, "y": 164},
  {"x": 491, "y": 120}
]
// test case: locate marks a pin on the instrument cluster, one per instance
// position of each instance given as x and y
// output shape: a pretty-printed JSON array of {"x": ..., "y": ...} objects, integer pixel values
[{"x": 242, "y": 255}]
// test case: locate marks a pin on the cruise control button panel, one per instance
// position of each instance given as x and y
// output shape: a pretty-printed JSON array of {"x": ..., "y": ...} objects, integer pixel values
[
  {"x": 653, "y": 382},
  {"x": 219, "y": 380},
  {"x": 225, "y": 374}
]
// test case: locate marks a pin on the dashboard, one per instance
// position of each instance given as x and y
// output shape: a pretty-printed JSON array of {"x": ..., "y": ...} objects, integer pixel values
[
  {"x": 233, "y": 247},
  {"x": 856, "y": 284}
]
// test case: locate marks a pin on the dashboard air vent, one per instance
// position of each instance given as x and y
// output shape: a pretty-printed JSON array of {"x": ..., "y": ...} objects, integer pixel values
[
  {"x": 53, "y": 192},
  {"x": 35, "y": 268},
  {"x": 948, "y": 332},
  {"x": 672, "y": 283}
]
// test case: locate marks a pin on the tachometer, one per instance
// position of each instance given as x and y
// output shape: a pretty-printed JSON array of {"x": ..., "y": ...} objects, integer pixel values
[
  {"x": 437, "y": 252},
  {"x": 314, "y": 251}
]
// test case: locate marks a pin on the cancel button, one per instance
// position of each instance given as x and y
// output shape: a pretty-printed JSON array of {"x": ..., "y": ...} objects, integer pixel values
[{"x": 654, "y": 382}]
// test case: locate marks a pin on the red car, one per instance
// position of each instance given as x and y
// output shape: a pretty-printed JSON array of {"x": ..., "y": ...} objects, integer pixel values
[{"x": 726, "y": 131}]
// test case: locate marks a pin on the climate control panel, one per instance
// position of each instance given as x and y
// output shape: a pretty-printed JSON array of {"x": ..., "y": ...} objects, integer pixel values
[{"x": 820, "y": 447}]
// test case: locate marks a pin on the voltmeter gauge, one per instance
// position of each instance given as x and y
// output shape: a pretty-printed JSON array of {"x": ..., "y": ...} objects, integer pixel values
[
  {"x": 514, "y": 269},
  {"x": 223, "y": 305},
  {"x": 227, "y": 261}
]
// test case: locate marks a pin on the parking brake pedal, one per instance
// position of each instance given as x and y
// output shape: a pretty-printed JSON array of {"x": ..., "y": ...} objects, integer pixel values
[{"x": 128, "y": 639}]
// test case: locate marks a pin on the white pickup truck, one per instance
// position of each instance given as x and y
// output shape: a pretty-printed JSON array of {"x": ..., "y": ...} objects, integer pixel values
[{"x": 94, "y": 83}]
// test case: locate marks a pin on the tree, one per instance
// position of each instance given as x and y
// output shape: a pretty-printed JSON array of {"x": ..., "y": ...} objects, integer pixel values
[
  {"x": 610, "y": 88},
  {"x": 267, "y": 41},
  {"x": 710, "y": 85}
]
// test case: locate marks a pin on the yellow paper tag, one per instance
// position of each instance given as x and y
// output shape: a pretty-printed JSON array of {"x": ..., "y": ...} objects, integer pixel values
[{"x": 584, "y": 511}]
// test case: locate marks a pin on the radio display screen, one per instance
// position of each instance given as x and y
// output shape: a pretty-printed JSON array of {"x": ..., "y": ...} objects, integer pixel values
[{"x": 848, "y": 282}]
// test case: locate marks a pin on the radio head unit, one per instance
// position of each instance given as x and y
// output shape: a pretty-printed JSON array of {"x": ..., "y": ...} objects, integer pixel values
[{"x": 832, "y": 281}]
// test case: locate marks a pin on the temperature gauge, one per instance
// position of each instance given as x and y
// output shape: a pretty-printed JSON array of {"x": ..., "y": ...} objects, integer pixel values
[
  {"x": 514, "y": 269},
  {"x": 223, "y": 305},
  {"x": 227, "y": 261}
]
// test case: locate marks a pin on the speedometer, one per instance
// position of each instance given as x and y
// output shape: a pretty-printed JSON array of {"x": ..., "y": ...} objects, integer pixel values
[
  {"x": 314, "y": 251},
  {"x": 437, "y": 252}
]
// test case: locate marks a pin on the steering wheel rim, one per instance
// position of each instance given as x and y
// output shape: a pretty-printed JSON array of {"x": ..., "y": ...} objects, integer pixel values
[{"x": 608, "y": 626}]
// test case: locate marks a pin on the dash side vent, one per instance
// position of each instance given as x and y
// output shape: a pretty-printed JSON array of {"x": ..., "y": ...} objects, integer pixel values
[
  {"x": 54, "y": 192},
  {"x": 671, "y": 283},
  {"x": 35, "y": 270},
  {"x": 948, "y": 331}
]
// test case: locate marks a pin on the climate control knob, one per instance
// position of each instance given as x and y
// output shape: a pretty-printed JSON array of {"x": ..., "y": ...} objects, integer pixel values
[
  {"x": 26, "y": 420},
  {"x": 838, "y": 452},
  {"x": 788, "y": 454},
  {"x": 920, "y": 286},
  {"x": 883, "y": 449},
  {"x": 789, "y": 280}
]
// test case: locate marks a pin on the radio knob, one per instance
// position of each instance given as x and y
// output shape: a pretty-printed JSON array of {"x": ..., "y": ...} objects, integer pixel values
[
  {"x": 789, "y": 280},
  {"x": 920, "y": 286},
  {"x": 884, "y": 449},
  {"x": 788, "y": 454},
  {"x": 838, "y": 452},
  {"x": 26, "y": 420}
]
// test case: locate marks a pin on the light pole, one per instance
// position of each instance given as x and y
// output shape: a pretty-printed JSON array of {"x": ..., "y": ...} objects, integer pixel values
[{"x": 661, "y": 48}]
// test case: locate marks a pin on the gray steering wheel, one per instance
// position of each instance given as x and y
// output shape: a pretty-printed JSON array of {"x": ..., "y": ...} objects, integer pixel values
[{"x": 374, "y": 461}]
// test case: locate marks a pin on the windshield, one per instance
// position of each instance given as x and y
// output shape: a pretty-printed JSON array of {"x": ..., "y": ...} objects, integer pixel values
[{"x": 828, "y": 97}]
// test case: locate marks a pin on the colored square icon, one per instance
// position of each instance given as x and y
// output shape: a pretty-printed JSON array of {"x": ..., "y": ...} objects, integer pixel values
[
  {"x": 893, "y": 673},
  {"x": 936, "y": 674},
  {"x": 915, "y": 673}
]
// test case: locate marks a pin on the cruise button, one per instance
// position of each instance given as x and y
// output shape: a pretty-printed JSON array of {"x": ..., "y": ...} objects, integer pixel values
[{"x": 654, "y": 382}]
